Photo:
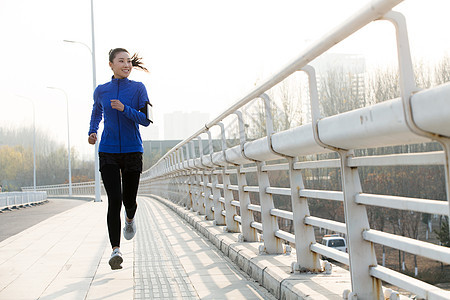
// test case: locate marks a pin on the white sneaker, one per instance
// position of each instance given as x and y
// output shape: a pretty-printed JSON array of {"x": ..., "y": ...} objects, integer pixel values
[
  {"x": 129, "y": 230},
  {"x": 116, "y": 259}
]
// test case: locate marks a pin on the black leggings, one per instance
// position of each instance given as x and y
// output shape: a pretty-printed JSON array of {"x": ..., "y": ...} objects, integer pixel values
[{"x": 119, "y": 190}]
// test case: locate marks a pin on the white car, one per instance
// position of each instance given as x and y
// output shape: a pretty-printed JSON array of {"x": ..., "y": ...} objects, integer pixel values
[{"x": 335, "y": 241}]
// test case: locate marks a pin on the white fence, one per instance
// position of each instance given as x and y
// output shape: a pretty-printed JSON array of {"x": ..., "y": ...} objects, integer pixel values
[
  {"x": 82, "y": 188},
  {"x": 19, "y": 199},
  {"x": 215, "y": 183}
]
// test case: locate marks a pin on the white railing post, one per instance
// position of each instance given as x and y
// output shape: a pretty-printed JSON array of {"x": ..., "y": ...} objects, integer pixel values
[
  {"x": 172, "y": 178},
  {"x": 184, "y": 181},
  {"x": 249, "y": 234},
  {"x": 189, "y": 201},
  {"x": 205, "y": 189},
  {"x": 197, "y": 192},
  {"x": 209, "y": 201},
  {"x": 361, "y": 253},
  {"x": 180, "y": 184},
  {"x": 230, "y": 210},
  {"x": 206, "y": 193},
  {"x": 304, "y": 234},
  {"x": 219, "y": 219},
  {"x": 167, "y": 177},
  {"x": 187, "y": 195},
  {"x": 194, "y": 178},
  {"x": 178, "y": 178},
  {"x": 164, "y": 190},
  {"x": 272, "y": 244},
  {"x": 198, "y": 182}
]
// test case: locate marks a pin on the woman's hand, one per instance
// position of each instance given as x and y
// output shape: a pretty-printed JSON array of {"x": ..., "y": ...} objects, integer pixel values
[
  {"x": 116, "y": 104},
  {"x": 92, "y": 138}
]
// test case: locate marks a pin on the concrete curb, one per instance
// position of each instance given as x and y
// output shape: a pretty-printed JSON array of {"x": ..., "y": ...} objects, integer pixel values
[{"x": 273, "y": 272}]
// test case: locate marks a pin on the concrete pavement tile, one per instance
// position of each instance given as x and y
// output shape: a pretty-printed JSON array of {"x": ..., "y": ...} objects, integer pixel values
[
  {"x": 113, "y": 284},
  {"x": 201, "y": 257},
  {"x": 27, "y": 286},
  {"x": 44, "y": 254},
  {"x": 224, "y": 287},
  {"x": 212, "y": 276},
  {"x": 111, "y": 288},
  {"x": 217, "y": 268},
  {"x": 67, "y": 289}
]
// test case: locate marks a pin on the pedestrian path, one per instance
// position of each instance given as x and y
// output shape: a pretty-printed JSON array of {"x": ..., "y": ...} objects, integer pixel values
[
  {"x": 174, "y": 262},
  {"x": 66, "y": 257}
]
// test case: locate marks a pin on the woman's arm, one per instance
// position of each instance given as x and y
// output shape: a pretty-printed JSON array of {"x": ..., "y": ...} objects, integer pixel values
[
  {"x": 97, "y": 113},
  {"x": 133, "y": 114}
]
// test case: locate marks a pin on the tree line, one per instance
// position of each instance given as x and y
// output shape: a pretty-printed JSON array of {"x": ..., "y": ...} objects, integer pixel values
[{"x": 16, "y": 160}]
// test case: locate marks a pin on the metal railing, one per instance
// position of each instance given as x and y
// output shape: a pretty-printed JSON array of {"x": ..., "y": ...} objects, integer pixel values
[
  {"x": 19, "y": 199},
  {"x": 80, "y": 188},
  {"x": 203, "y": 181}
]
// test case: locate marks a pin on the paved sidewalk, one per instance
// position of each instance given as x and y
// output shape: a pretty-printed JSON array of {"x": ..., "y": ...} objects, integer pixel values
[
  {"x": 173, "y": 261},
  {"x": 66, "y": 257},
  {"x": 15, "y": 220}
]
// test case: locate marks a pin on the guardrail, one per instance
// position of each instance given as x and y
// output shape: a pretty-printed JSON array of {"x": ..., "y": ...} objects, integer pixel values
[
  {"x": 19, "y": 199},
  {"x": 81, "y": 188},
  {"x": 203, "y": 181}
]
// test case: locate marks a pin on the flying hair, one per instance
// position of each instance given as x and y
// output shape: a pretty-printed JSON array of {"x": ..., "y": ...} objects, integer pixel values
[{"x": 136, "y": 61}]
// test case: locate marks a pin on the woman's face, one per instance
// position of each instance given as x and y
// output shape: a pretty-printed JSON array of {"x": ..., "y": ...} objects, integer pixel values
[{"x": 121, "y": 65}]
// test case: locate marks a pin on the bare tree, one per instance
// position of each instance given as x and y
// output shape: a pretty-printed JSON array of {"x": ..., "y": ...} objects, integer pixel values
[
  {"x": 422, "y": 73},
  {"x": 442, "y": 71},
  {"x": 341, "y": 90},
  {"x": 383, "y": 85},
  {"x": 286, "y": 106}
]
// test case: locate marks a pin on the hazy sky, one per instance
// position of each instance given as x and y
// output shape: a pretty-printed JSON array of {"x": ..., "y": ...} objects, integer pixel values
[{"x": 203, "y": 55}]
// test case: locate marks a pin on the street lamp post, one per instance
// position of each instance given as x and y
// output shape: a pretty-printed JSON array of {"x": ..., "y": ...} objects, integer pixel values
[
  {"x": 34, "y": 140},
  {"x": 94, "y": 85},
  {"x": 68, "y": 137}
]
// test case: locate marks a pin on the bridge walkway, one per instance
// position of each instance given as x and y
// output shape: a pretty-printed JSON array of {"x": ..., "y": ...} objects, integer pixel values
[{"x": 66, "y": 257}]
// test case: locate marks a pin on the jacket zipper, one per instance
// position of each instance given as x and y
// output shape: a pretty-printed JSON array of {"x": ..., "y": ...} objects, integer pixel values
[{"x": 118, "y": 120}]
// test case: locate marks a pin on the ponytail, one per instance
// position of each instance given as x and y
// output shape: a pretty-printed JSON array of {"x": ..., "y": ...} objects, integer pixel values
[{"x": 136, "y": 61}]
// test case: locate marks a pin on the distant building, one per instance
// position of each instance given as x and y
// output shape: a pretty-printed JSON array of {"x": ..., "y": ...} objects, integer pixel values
[
  {"x": 353, "y": 65},
  {"x": 180, "y": 125}
]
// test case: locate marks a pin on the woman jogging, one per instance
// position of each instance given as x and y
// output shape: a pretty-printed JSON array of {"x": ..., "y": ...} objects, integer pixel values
[{"x": 122, "y": 103}]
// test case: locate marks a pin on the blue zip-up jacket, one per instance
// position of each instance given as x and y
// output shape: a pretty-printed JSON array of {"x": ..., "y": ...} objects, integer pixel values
[{"x": 121, "y": 128}]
